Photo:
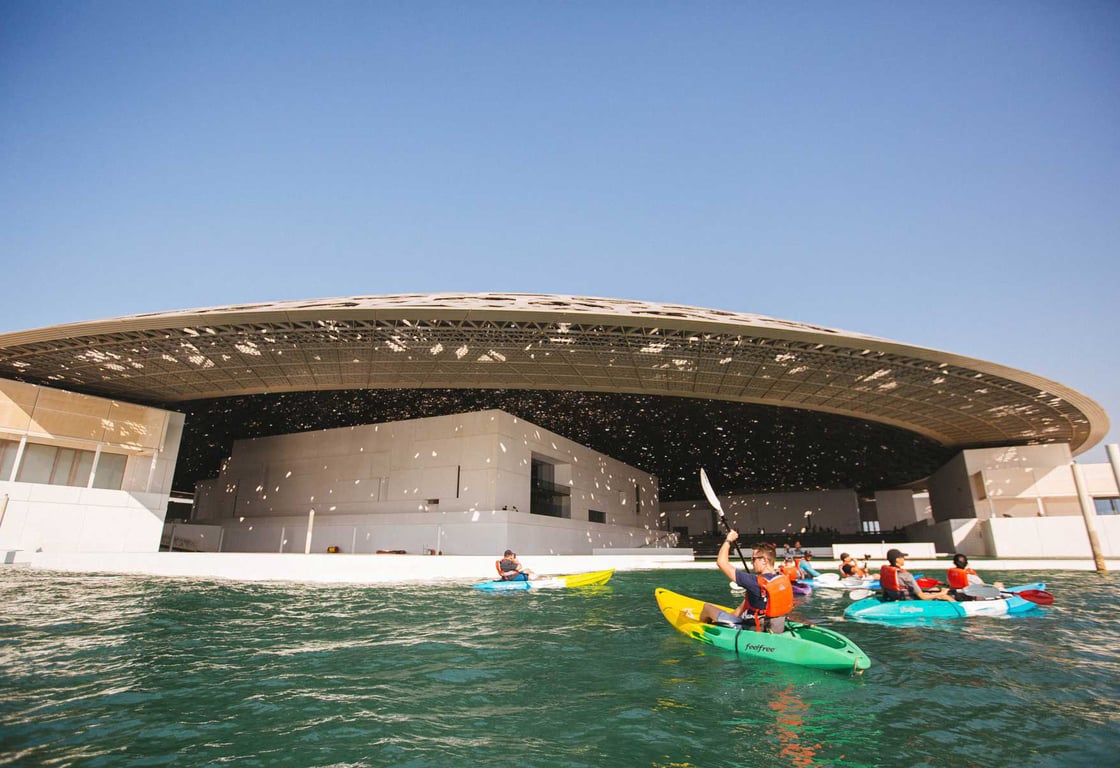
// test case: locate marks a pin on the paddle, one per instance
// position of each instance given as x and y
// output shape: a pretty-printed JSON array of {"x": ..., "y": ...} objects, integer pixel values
[
  {"x": 714, "y": 501},
  {"x": 860, "y": 594},
  {"x": 988, "y": 592}
]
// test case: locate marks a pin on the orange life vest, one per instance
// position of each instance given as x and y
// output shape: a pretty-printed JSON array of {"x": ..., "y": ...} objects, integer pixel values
[
  {"x": 792, "y": 572},
  {"x": 779, "y": 598},
  {"x": 958, "y": 577},
  {"x": 888, "y": 579}
]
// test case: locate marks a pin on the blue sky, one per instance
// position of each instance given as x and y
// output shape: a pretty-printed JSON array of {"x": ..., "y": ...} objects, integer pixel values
[{"x": 941, "y": 174}]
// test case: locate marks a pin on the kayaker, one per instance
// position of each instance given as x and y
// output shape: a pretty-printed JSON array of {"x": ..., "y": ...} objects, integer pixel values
[
  {"x": 807, "y": 567},
  {"x": 769, "y": 594},
  {"x": 961, "y": 576},
  {"x": 510, "y": 568},
  {"x": 898, "y": 583},
  {"x": 791, "y": 570},
  {"x": 850, "y": 569}
]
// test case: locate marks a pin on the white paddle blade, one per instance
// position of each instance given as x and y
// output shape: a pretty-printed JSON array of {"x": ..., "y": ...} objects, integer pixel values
[
  {"x": 709, "y": 492},
  {"x": 860, "y": 594},
  {"x": 981, "y": 591}
]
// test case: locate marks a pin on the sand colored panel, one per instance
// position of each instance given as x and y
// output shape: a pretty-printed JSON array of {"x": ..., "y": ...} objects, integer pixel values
[
  {"x": 17, "y": 401},
  {"x": 133, "y": 426}
]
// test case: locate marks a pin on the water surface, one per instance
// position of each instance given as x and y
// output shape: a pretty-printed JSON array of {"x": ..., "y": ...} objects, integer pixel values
[{"x": 136, "y": 671}]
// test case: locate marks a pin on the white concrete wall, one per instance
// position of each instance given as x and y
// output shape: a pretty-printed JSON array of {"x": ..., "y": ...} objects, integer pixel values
[
  {"x": 59, "y": 518},
  {"x": 783, "y": 514},
  {"x": 695, "y": 517},
  {"x": 427, "y": 484},
  {"x": 897, "y": 510},
  {"x": 1051, "y": 536}
]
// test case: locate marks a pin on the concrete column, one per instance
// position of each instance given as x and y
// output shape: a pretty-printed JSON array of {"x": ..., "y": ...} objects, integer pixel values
[
  {"x": 1114, "y": 460},
  {"x": 310, "y": 527},
  {"x": 18, "y": 459},
  {"x": 93, "y": 466},
  {"x": 1089, "y": 512}
]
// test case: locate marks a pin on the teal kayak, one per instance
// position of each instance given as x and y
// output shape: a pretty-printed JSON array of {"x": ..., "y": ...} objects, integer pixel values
[
  {"x": 876, "y": 609},
  {"x": 802, "y": 644}
]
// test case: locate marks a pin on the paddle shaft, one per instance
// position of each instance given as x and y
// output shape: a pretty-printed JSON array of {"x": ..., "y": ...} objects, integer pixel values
[{"x": 714, "y": 501}]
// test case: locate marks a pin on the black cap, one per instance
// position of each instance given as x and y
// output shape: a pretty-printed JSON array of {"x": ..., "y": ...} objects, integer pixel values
[{"x": 894, "y": 554}]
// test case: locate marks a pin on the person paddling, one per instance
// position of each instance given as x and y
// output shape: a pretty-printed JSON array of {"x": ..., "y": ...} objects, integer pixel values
[
  {"x": 961, "y": 576},
  {"x": 899, "y": 584},
  {"x": 769, "y": 594},
  {"x": 510, "y": 568}
]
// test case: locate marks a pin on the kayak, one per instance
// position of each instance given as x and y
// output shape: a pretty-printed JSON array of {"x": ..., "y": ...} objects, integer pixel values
[
  {"x": 834, "y": 581},
  {"x": 589, "y": 579},
  {"x": 803, "y": 644},
  {"x": 874, "y": 608},
  {"x": 800, "y": 588}
]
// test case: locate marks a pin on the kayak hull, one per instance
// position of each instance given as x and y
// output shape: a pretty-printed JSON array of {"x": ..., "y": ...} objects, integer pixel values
[
  {"x": 801, "y": 644},
  {"x": 832, "y": 581},
  {"x": 589, "y": 579},
  {"x": 875, "y": 609}
]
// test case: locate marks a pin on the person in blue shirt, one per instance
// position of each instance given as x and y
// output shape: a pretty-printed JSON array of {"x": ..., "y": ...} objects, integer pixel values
[{"x": 807, "y": 567}]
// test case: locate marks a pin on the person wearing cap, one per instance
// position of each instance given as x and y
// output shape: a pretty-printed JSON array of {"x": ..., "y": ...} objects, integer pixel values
[
  {"x": 510, "y": 568},
  {"x": 769, "y": 594},
  {"x": 898, "y": 583},
  {"x": 850, "y": 569}
]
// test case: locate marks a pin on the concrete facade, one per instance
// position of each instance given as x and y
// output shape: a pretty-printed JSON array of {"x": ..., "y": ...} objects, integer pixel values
[
  {"x": 460, "y": 484},
  {"x": 81, "y": 473},
  {"x": 1020, "y": 501}
]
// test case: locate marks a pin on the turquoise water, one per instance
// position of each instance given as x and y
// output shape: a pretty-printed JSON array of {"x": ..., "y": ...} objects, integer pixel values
[{"x": 127, "y": 671}]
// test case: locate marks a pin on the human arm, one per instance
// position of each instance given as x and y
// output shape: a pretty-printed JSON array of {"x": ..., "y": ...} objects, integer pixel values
[
  {"x": 907, "y": 581},
  {"x": 723, "y": 559}
]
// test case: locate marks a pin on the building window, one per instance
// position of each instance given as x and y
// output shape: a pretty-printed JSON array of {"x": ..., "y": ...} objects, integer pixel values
[
  {"x": 595, "y": 516},
  {"x": 1107, "y": 506},
  {"x": 871, "y": 526},
  {"x": 8, "y": 451},
  {"x": 110, "y": 471},
  {"x": 545, "y": 496},
  {"x": 53, "y": 465}
]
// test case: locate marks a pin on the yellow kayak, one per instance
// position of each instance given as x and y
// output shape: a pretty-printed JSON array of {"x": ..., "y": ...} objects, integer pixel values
[{"x": 589, "y": 579}]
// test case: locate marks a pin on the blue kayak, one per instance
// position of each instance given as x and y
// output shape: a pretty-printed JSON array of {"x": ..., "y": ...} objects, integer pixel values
[{"x": 874, "y": 608}]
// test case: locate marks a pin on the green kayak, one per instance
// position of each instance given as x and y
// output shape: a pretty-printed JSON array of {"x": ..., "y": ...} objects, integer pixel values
[{"x": 803, "y": 644}]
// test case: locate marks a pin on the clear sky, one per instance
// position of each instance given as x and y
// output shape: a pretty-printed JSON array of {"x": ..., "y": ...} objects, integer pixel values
[{"x": 943, "y": 174}]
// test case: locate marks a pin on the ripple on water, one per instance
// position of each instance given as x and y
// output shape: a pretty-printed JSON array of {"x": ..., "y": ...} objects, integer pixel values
[{"x": 109, "y": 670}]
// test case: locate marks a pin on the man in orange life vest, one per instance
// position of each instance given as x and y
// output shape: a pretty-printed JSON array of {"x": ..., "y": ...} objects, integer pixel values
[
  {"x": 769, "y": 594},
  {"x": 899, "y": 584}
]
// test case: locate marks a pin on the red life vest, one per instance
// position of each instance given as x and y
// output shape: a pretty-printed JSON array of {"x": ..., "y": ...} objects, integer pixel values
[
  {"x": 958, "y": 577},
  {"x": 888, "y": 579}
]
